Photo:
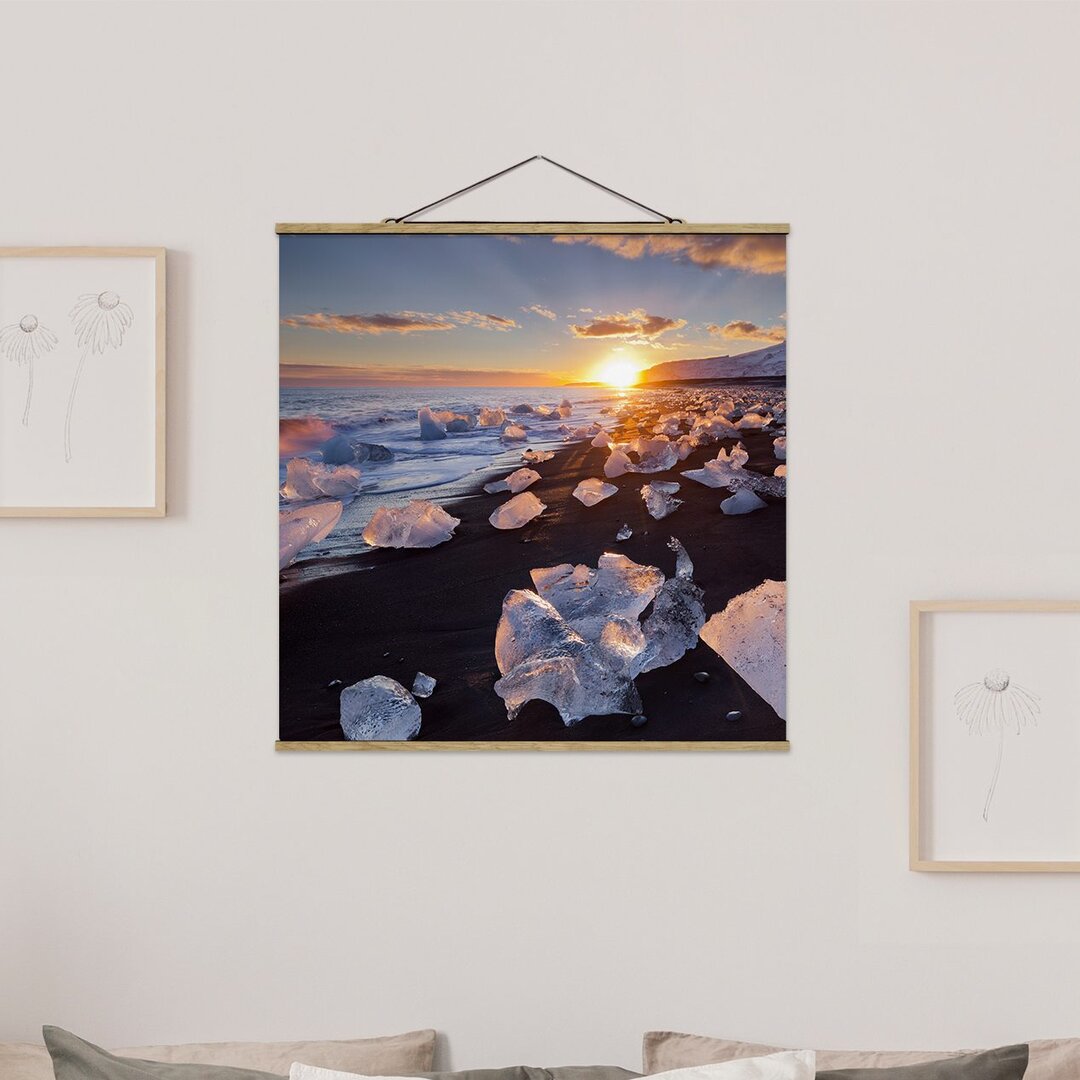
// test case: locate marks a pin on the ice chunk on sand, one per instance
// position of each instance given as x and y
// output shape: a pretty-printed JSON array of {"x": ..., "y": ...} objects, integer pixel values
[
  {"x": 491, "y": 417},
  {"x": 602, "y": 439},
  {"x": 654, "y": 455},
  {"x": 753, "y": 421},
  {"x": 721, "y": 471},
  {"x": 750, "y": 634},
  {"x": 617, "y": 463},
  {"x": 658, "y": 498},
  {"x": 677, "y": 616},
  {"x": 744, "y": 501},
  {"x": 624, "y": 533},
  {"x": 423, "y": 685},
  {"x": 421, "y": 524},
  {"x": 537, "y": 456},
  {"x": 712, "y": 429},
  {"x": 306, "y": 479},
  {"x": 518, "y": 511},
  {"x": 779, "y": 447},
  {"x": 780, "y": 470},
  {"x": 593, "y": 490},
  {"x": 542, "y": 658},
  {"x": 565, "y": 408},
  {"x": 515, "y": 482},
  {"x": 513, "y": 433},
  {"x": 430, "y": 428},
  {"x": 303, "y": 525},
  {"x": 684, "y": 447},
  {"x": 379, "y": 709},
  {"x": 587, "y": 598}
]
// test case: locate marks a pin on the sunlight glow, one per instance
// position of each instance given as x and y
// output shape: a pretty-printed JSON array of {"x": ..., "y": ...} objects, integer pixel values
[{"x": 618, "y": 372}]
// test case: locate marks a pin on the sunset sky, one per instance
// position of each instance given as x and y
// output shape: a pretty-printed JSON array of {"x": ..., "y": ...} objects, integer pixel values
[{"x": 520, "y": 310}]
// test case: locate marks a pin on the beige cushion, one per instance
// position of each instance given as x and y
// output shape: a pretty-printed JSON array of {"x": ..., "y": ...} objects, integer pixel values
[
  {"x": 390, "y": 1055},
  {"x": 1051, "y": 1059}
]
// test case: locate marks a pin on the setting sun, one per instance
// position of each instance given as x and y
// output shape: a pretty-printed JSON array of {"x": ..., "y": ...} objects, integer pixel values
[{"x": 618, "y": 372}]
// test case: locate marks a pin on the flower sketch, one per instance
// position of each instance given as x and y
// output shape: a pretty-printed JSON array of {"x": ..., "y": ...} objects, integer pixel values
[
  {"x": 992, "y": 705},
  {"x": 24, "y": 342},
  {"x": 100, "y": 322}
]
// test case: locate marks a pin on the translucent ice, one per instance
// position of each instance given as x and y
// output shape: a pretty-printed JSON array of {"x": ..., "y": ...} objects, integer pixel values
[
  {"x": 455, "y": 421},
  {"x": 753, "y": 421},
  {"x": 513, "y": 433},
  {"x": 658, "y": 498},
  {"x": 779, "y": 447},
  {"x": 721, "y": 471},
  {"x": 592, "y": 491},
  {"x": 750, "y": 635},
  {"x": 684, "y": 447},
  {"x": 617, "y": 463},
  {"x": 654, "y": 455},
  {"x": 338, "y": 451},
  {"x": 537, "y": 456},
  {"x": 491, "y": 417},
  {"x": 423, "y": 685},
  {"x": 515, "y": 482},
  {"x": 624, "y": 533},
  {"x": 602, "y": 439},
  {"x": 780, "y": 470},
  {"x": 303, "y": 525},
  {"x": 421, "y": 524},
  {"x": 379, "y": 709},
  {"x": 430, "y": 428},
  {"x": 542, "y": 658},
  {"x": 677, "y": 616},
  {"x": 587, "y": 598},
  {"x": 565, "y": 408},
  {"x": 570, "y": 434},
  {"x": 711, "y": 429},
  {"x": 306, "y": 479},
  {"x": 518, "y": 511},
  {"x": 744, "y": 501}
]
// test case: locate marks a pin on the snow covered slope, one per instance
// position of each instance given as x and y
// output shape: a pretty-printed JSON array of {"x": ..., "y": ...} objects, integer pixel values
[{"x": 771, "y": 360}]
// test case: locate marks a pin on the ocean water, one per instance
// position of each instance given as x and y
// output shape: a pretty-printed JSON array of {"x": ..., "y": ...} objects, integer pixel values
[{"x": 447, "y": 468}]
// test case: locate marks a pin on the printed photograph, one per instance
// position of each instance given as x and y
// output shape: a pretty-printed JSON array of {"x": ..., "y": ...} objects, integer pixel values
[{"x": 532, "y": 488}]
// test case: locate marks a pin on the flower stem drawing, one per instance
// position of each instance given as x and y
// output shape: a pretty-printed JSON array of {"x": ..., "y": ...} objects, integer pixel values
[
  {"x": 24, "y": 342},
  {"x": 100, "y": 322},
  {"x": 990, "y": 705}
]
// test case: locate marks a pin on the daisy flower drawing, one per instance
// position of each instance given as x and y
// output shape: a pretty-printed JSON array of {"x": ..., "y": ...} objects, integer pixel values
[
  {"x": 991, "y": 706},
  {"x": 24, "y": 342},
  {"x": 101, "y": 320}
]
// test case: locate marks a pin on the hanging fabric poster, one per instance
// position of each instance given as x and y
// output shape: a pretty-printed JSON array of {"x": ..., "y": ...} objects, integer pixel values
[{"x": 532, "y": 486}]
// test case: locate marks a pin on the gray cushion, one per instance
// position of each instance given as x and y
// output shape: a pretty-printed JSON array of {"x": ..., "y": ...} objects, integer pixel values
[
  {"x": 1005, "y": 1063},
  {"x": 76, "y": 1059}
]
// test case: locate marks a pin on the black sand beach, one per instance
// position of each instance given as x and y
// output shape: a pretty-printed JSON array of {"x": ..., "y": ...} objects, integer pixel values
[{"x": 396, "y": 612}]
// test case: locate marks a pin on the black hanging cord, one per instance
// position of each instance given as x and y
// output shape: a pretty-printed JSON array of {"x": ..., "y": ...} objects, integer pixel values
[{"x": 528, "y": 161}]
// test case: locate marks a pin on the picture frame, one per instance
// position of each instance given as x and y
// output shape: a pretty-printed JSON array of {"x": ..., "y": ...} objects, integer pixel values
[
  {"x": 92, "y": 438},
  {"x": 504, "y": 230},
  {"x": 1004, "y": 740}
]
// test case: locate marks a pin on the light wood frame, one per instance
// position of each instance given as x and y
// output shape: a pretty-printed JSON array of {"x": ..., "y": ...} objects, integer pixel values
[
  {"x": 465, "y": 228},
  {"x": 916, "y": 860},
  {"x": 158, "y": 507}
]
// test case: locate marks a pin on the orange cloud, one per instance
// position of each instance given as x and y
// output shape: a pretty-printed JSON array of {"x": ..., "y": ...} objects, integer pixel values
[
  {"x": 754, "y": 253},
  {"x": 402, "y": 322},
  {"x": 539, "y": 309},
  {"x": 343, "y": 375},
  {"x": 741, "y": 330},
  {"x": 634, "y": 325}
]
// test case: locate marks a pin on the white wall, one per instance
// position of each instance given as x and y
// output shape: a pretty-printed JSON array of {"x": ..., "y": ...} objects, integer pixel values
[{"x": 167, "y": 877}]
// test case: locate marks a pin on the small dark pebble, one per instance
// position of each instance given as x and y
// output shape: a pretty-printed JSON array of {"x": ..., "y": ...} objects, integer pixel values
[
  {"x": 334, "y": 682},
  {"x": 701, "y": 676},
  {"x": 638, "y": 721},
  {"x": 734, "y": 715}
]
